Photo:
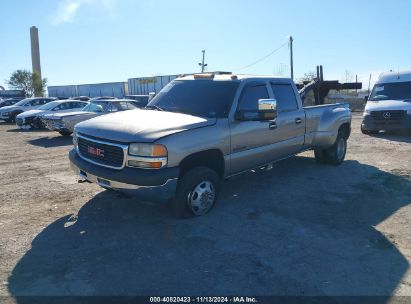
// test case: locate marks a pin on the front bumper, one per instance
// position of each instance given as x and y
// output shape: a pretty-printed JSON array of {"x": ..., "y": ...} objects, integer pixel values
[
  {"x": 149, "y": 184},
  {"x": 54, "y": 124},
  {"x": 371, "y": 124}
]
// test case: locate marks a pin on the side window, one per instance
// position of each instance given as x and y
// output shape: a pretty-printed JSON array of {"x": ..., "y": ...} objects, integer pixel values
[
  {"x": 284, "y": 93},
  {"x": 114, "y": 107},
  {"x": 123, "y": 106},
  {"x": 72, "y": 105},
  {"x": 35, "y": 102},
  {"x": 250, "y": 96}
]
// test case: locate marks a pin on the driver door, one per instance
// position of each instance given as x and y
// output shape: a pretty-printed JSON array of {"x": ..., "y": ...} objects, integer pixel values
[{"x": 252, "y": 141}]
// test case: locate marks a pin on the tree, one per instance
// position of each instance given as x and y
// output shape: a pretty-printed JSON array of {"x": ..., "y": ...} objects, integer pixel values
[
  {"x": 348, "y": 76},
  {"x": 30, "y": 83},
  {"x": 39, "y": 85},
  {"x": 309, "y": 76}
]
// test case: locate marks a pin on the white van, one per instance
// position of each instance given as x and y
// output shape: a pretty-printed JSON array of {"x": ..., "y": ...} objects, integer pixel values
[{"x": 389, "y": 104}]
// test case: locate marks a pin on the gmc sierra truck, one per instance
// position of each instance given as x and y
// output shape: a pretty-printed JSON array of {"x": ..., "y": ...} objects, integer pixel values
[{"x": 201, "y": 129}]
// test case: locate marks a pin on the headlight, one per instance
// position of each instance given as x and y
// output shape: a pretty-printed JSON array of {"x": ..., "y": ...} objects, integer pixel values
[
  {"x": 409, "y": 112},
  {"x": 147, "y": 150},
  {"x": 367, "y": 112},
  {"x": 149, "y": 156},
  {"x": 5, "y": 113}
]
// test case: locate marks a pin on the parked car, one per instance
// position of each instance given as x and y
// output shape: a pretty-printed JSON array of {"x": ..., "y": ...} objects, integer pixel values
[
  {"x": 103, "y": 98},
  {"x": 81, "y": 98},
  {"x": 9, "y": 113},
  {"x": 64, "y": 122},
  {"x": 204, "y": 128},
  {"x": 9, "y": 102},
  {"x": 389, "y": 104},
  {"x": 142, "y": 100},
  {"x": 32, "y": 118}
]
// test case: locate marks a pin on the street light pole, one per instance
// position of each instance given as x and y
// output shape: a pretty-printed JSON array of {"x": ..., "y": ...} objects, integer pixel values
[
  {"x": 291, "y": 57},
  {"x": 202, "y": 64}
]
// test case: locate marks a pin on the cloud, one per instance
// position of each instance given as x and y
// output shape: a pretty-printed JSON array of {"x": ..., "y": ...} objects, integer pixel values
[{"x": 67, "y": 10}]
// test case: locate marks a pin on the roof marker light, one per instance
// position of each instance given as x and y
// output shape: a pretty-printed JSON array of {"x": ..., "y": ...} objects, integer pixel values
[{"x": 203, "y": 76}]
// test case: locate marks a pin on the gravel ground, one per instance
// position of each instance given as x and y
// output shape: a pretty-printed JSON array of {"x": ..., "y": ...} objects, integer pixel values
[{"x": 299, "y": 229}]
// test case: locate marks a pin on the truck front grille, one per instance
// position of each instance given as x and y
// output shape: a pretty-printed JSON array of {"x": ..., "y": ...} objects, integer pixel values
[
  {"x": 105, "y": 154},
  {"x": 393, "y": 115}
]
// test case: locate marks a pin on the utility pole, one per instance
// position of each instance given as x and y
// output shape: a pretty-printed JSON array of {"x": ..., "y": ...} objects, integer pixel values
[
  {"x": 202, "y": 64},
  {"x": 291, "y": 57}
]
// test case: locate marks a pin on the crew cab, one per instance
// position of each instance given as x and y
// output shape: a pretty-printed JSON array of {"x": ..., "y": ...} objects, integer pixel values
[
  {"x": 64, "y": 122},
  {"x": 201, "y": 129},
  {"x": 9, "y": 113},
  {"x": 389, "y": 104}
]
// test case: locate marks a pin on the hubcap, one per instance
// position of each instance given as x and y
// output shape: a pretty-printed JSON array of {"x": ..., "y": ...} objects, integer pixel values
[
  {"x": 340, "y": 148},
  {"x": 201, "y": 199}
]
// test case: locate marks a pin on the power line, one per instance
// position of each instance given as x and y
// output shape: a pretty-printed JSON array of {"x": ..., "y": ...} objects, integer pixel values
[{"x": 261, "y": 59}]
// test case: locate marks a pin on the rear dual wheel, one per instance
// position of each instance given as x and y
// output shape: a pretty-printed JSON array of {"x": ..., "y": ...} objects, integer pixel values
[{"x": 334, "y": 155}]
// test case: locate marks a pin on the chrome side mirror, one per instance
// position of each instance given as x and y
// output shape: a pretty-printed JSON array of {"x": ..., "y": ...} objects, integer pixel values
[{"x": 267, "y": 109}]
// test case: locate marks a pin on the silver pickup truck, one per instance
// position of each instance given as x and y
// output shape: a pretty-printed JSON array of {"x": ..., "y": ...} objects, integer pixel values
[{"x": 201, "y": 129}]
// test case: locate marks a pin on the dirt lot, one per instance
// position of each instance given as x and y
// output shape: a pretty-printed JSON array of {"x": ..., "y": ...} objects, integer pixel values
[{"x": 299, "y": 229}]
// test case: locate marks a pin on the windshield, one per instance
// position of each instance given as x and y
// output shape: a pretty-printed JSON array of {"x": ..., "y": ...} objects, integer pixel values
[
  {"x": 203, "y": 98},
  {"x": 95, "y": 106},
  {"x": 49, "y": 106},
  {"x": 22, "y": 102},
  {"x": 394, "y": 90}
]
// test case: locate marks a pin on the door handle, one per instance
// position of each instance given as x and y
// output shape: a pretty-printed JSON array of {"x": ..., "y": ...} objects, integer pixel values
[
  {"x": 298, "y": 121},
  {"x": 272, "y": 125}
]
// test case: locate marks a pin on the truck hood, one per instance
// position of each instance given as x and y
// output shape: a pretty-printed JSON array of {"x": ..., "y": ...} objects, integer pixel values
[
  {"x": 386, "y": 105},
  {"x": 140, "y": 125}
]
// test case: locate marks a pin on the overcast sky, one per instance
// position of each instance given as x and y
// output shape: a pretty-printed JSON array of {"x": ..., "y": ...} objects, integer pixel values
[{"x": 89, "y": 41}]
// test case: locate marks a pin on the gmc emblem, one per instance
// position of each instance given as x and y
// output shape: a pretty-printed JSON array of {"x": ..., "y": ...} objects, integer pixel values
[{"x": 95, "y": 151}]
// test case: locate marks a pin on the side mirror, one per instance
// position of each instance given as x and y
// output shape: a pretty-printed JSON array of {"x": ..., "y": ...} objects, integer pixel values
[
  {"x": 365, "y": 99},
  {"x": 151, "y": 95},
  {"x": 267, "y": 109}
]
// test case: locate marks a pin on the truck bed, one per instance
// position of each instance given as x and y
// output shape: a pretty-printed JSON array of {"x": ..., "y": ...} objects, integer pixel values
[{"x": 322, "y": 123}]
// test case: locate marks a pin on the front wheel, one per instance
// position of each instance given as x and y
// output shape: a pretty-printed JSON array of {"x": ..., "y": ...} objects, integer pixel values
[{"x": 197, "y": 192}]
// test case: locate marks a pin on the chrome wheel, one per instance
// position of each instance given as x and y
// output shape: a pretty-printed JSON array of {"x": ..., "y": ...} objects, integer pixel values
[
  {"x": 341, "y": 148},
  {"x": 202, "y": 198}
]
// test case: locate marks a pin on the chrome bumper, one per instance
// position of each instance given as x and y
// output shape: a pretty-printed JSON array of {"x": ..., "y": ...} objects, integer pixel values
[{"x": 157, "y": 193}]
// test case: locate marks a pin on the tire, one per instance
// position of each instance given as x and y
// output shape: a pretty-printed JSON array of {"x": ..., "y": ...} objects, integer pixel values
[
  {"x": 320, "y": 156},
  {"x": 197, "y": 192},
  {"x": 334, "y": 155},
  {"x": 13, "y": 117},
  {"x": 65, "y": 133}
]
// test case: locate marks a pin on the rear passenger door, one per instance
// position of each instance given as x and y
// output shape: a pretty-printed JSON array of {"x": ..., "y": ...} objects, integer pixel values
[{"x": 290, "y": 118}]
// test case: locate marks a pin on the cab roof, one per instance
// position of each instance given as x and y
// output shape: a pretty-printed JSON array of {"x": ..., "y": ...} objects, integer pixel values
[
  {"x": 228, "y": 77},
  {"x": 388, "y": 77}
]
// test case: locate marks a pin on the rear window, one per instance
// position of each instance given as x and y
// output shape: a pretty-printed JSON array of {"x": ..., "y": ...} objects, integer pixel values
[{"x": 205, "y": 98}]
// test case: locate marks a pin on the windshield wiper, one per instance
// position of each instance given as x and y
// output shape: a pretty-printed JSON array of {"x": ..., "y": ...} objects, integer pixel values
[{"x": 153, "y": 107}]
